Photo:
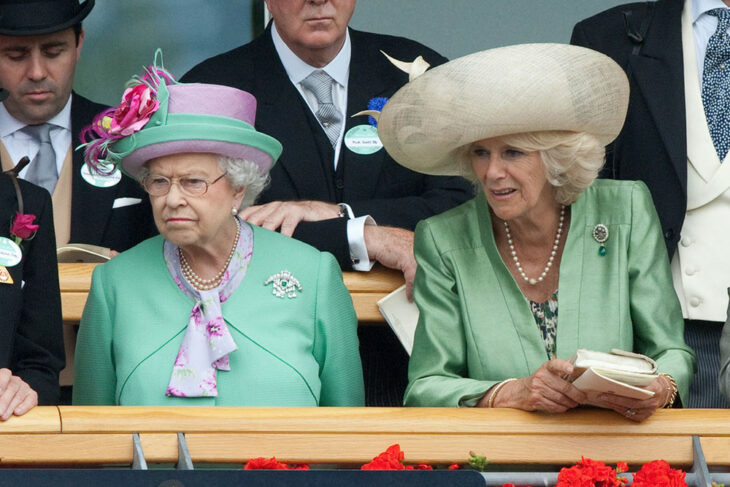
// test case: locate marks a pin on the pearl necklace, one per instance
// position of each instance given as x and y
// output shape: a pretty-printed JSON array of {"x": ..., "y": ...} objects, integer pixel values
[
  {"x": 207, "y": 284},
  {"x": 556, "y": 244}
]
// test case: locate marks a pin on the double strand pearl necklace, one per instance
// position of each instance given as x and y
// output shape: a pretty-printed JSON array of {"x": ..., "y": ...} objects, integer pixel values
[
  {"x": 556, "y": 244},
  {"x": 207, "y": 284}
]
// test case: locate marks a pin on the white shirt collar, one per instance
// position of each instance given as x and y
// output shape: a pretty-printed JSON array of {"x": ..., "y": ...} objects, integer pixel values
[
  {"x": 10, "y": 124},
  {"x": 701, "y": 7},
  {"x": 297, "y": 69}
]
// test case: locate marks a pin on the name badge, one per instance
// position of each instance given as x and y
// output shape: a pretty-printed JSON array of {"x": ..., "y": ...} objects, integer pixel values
[
  {"x": 10, "y": 253},
  {"x": 101, "y": 180},
  {"x": 363, "y": 139}
]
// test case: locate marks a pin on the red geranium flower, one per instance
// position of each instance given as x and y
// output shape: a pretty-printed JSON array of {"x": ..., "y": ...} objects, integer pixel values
[
  {"x": 390, "y": 459},
  {"x": 262, "y": 463},
  {"x": 659, "y": 474},
  {"x": 589, "y": 473}
]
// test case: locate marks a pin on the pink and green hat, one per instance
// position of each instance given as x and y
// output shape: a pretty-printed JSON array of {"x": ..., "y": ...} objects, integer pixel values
[{"x": 158, "y": 117}]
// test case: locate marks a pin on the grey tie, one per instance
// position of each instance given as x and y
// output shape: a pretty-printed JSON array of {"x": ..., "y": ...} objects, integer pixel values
[
  {"x": 42, "y": 170},
  {"x": 319, "y": 84}
]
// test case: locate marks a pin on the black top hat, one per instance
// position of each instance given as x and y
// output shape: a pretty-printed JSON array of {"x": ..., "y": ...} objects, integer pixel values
[{"x": 34, "y": 17}]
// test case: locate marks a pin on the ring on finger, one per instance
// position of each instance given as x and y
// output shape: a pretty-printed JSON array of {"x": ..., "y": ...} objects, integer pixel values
[{"x": 630, "y": 412}]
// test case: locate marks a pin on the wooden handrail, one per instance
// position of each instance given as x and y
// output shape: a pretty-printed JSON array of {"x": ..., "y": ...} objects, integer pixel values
[
  {"x": 366, "y": 288},
  {"x": 102, "y": 435}
]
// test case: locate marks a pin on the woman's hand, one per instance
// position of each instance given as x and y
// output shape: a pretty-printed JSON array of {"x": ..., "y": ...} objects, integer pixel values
[
  {"x": 544, "y": 390},
  {"x": 638, "y": 409},
  {"x": 16, "y": 397}
]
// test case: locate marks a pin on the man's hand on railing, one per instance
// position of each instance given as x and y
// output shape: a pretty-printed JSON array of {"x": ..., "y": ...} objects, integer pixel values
[{"x": 16, "y": 397}]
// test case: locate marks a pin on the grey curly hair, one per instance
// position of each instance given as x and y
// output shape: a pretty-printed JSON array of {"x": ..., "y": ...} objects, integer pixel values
[
  {"x": 572, "y": 160},
  {"x": 240, "y": 174}
]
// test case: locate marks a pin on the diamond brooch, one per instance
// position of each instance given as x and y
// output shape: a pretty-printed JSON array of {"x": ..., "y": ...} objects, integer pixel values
[{"x": 285, "y": 284}]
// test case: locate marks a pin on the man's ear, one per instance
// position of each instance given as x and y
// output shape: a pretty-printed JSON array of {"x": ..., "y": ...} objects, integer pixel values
[{"x": 79, "y": 45}]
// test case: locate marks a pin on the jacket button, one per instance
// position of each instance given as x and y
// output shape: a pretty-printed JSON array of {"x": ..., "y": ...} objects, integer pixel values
[
  {"x": 669, "y": 234},
  {"x": 686, "y": 241},
  {"x": 694, "y": 302},
  {"x": 339, "y": 184}
]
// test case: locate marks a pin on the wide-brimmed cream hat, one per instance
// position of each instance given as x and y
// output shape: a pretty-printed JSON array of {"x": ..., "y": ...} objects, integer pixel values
[{"x": 503, "y": 91}]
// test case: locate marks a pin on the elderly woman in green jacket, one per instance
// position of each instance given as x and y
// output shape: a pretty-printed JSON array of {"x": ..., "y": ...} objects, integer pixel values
[
  {"x": 545, "y": 260},
  {"x": 214, "y": 311}
]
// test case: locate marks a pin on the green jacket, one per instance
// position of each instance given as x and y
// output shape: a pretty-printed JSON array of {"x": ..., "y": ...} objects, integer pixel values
[
  {"x": 300, "y": 351},
  {"x": 476, "y": 327}
]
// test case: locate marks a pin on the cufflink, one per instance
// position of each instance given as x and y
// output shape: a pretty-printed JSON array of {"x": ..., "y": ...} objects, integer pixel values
[{"x": 343, "y": 211}]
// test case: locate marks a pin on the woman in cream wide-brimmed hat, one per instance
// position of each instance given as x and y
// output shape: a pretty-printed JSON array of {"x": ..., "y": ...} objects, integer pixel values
[{"x": 546, "y": 259}]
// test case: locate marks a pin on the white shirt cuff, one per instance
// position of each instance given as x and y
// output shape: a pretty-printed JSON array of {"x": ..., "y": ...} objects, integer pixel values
[{"x": 356, "y": 240}]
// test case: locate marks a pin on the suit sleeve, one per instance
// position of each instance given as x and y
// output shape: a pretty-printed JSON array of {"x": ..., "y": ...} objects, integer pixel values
[
  {"x": 658, "y": 323},
  {"x": 336, "y": 345},
  {"x": 437, "y": 371},
  {"x": 38, "y": 350},
  {"x": 94, "y": 373},
  {"x": 327, "y": 236},
  {"x": 436, "y": 195}
]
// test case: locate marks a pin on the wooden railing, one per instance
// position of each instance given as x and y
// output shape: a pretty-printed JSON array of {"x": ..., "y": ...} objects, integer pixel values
[
  {"x": 103, "y": 435},
  {"x": 366, "y": 289}
]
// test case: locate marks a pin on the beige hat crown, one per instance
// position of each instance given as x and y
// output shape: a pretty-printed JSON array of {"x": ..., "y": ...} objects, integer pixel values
[{"x": 503, "y": 91}]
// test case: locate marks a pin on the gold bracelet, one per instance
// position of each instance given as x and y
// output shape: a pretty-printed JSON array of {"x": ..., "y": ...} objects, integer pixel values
[
  {"x": 495, "y": 390},
  {"x": 673, "y": 388}
]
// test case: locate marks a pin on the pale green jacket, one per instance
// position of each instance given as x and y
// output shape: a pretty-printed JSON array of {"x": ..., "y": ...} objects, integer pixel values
[
  {"x": 476, "y": 328},
  {"x": 300, "y": 351}
]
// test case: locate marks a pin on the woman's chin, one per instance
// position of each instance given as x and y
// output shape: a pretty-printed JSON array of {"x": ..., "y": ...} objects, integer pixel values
[{"x": 179, "y": 237}]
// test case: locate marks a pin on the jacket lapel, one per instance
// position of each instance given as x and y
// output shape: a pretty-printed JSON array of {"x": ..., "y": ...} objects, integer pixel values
[
  {"x": 658, "y": 71},
  {"x": 88, "y": 221},
  {"x": 369, "y": 71}
]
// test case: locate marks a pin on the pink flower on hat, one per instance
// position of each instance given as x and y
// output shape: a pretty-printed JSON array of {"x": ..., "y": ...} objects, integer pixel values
[{"x": 138, "y": 105}]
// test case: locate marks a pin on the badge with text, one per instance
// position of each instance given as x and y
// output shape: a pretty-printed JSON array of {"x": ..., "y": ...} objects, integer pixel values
[
  {"x": 363, "y": 139},
  {"x": 10, "y": 253},
  {"x": 5, "y": 277},
  {"x": 101, "y": 180}
]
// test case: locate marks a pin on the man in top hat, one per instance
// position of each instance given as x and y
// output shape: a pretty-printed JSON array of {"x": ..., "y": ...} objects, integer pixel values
[
  {"x": 40, "y": 44},
  {"x": 334, "y": 182},
  {"x": 676, "y": 139}
]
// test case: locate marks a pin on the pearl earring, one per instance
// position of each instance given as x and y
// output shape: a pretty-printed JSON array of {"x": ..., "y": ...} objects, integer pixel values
[{"x": 234, "y": 211}]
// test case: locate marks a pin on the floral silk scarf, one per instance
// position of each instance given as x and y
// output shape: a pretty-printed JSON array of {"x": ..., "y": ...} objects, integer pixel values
[{"x": 207, "y": 340}]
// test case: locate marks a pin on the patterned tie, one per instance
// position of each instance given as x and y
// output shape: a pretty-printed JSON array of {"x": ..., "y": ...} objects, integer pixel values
[
  {"x": 716, "y": 83},
  {"x": 319, "y": 84},
  {"x": 42, "y": 170}
]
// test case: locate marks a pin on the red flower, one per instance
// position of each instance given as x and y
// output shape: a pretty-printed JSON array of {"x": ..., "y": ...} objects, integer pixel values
[
  {"x": 454, "y": 466},
  {"x": 390, "y": 459},
  {"x": 659, "y": 474},
  {"x": 589, "y": 473},
  {"x": 138, "y": 105},
  {"x": 262, "y": 463},
  {"x": 22, "y": 226},
  {"x": 622, "y": 467}
]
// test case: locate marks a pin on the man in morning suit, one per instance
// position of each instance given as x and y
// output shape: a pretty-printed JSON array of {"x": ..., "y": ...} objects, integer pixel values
[
  {"x": 675, "y": 140},
  {"x": 31, "y": 349},
  {"x": 40, "y": 44},
  {"x": 310, "y": 74}
]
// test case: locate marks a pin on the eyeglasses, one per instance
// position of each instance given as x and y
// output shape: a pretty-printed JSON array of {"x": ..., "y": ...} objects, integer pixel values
[{"x": 157, "y": 185}]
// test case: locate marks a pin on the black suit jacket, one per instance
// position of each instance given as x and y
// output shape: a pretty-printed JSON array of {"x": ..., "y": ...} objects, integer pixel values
[
  {"x": 93, "y": 218},
  {"x": 30, "y": 323},
  {"x": 371, "y": 184},
  {"x": 652, "y": 146}
]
